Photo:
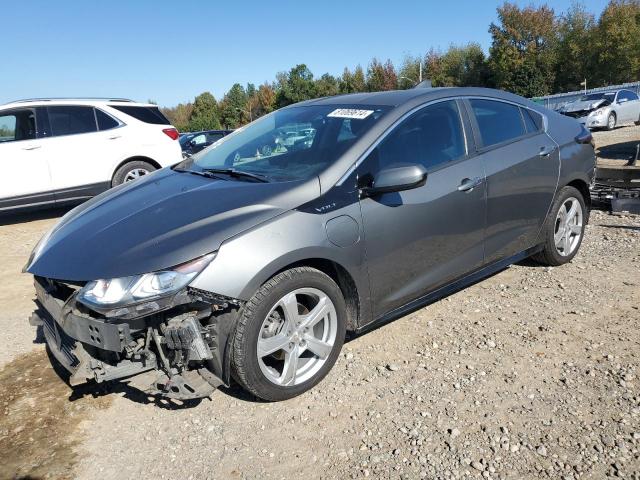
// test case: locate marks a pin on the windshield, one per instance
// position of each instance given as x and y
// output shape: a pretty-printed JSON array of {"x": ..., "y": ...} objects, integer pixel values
[
  {"x": 599, "y": 96},
  {"x": 294, "y": 143}
]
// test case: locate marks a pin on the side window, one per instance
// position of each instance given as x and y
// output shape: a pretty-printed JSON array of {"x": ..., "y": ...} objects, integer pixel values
[
  {"x": 105, "y": 122},
  {"x": 199, "y": 139},
  {"x": 7, "y": 128},
  {"x": 214, "y": 137},
  {"x": 71, "y": 120},
  {"x": 532, "y": 120},
  {"x": 17, "y": 125},
  {"x": 626, "y": 94},
  {"x": 431, "y": 136},
  {"x": 498, "y": 121}
]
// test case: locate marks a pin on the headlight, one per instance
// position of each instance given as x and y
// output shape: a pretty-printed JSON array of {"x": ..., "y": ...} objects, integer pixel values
[
  {"x": 598, "y": 112},
  {"x": 121, "y": 292}
]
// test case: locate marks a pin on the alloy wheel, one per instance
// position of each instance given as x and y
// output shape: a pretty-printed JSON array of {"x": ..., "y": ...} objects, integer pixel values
[
  {"x": 568, "y": 227},
  {"x": 297, "y": 336},
  {"x": 135, "y": 174}
]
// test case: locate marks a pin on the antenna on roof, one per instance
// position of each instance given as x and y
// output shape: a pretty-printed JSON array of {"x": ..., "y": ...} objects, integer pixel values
[{"x": 424, "y": 84}]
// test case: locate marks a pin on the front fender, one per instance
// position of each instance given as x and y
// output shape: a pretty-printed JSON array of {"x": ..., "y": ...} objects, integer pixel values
[{"x": 247, "y": 261}]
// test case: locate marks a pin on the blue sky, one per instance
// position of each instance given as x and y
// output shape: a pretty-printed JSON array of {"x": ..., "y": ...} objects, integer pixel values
[{"x": 172, "y": 51}]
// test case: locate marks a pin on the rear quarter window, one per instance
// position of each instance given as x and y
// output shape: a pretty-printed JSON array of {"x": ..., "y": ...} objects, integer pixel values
[
  {"x": 151, "y": 115},
  {"x": 498, "y": 122}
]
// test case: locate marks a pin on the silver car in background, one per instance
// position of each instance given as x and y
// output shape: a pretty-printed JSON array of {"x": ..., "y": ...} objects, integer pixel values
[{"x": 604, "y": 109}]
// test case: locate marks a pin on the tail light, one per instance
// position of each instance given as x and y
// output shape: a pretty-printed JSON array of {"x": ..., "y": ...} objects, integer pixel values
[
  {"x": 172, "y": 133},
  {"x": 585, "y": 137}
]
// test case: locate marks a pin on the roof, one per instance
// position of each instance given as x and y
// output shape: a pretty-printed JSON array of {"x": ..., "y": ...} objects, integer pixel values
[
  {"x": 396, "y": 98},
  {"x": 73, "y": 101}
]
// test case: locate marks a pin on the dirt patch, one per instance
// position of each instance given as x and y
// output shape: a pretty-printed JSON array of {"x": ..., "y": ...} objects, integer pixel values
[{"x": 40, "y": 416}]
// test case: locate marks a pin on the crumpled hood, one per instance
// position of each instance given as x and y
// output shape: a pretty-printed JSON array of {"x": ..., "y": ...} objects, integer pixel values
[
  {"x": 583, "y": 105},
  {"x": 162, "y": 220}
]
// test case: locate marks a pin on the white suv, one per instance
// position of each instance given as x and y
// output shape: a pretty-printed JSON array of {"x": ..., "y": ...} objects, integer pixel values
[{"x": 54, "y": 151}]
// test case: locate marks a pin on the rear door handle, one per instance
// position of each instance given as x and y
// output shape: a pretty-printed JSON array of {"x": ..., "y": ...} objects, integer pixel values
[
  {"x": 546, "y": 151},
  {"x": 31, "y": 147},
  {"x": 469, "y": 184},
  {"x": 114, "y": 137}
]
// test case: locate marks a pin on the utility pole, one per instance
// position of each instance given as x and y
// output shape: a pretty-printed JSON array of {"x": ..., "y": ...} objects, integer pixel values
[
  {"x": 420, "y": 71},
  {"x": 585, "y": 85}
]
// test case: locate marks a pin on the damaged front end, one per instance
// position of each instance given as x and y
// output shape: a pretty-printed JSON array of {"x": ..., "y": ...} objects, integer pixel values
[{"x": 178, "y": 351}]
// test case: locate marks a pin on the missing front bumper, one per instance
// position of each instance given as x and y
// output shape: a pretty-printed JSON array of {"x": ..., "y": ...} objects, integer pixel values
[{"x": 163, "y": 355}]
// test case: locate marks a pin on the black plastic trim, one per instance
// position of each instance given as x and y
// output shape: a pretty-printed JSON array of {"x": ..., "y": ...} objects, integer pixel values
[{"x": 448, "y": 289}]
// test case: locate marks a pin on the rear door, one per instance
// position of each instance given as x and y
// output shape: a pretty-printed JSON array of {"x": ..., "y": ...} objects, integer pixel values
[
  {"x": 522, "y": 167},
  {"x": 24, "y": 171},
  {"x": 417, "y": 240}
]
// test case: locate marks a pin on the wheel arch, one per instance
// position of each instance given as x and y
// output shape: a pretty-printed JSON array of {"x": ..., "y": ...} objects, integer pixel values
[
  {"x": 583, "y": 187},
  {"x": 343, "y": 279}
]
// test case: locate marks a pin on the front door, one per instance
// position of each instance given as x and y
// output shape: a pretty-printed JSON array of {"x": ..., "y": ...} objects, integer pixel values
[
  {"x": 417, "y": 240},
  {"x": 24, "y": 170}
]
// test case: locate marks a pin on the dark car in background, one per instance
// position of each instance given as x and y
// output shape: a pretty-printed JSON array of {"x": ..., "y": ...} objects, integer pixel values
[
  {"x": 252, "y": 263},
  {"x": 193, "y": 142}
]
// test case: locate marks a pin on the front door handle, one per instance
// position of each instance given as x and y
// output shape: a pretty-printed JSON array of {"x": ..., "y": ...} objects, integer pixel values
[
  {"x": 546, "y": 151},
  {"x": 114, "y": 137},
  {"x": 469, "y": 184},
  {"x": 32, "y": 147}
]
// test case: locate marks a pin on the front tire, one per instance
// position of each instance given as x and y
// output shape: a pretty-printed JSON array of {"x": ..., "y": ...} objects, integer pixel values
[
  {"x": 289, "y": 334},
  {"x": 564, "y": 229},
  {"x": 611, "y": 121}
]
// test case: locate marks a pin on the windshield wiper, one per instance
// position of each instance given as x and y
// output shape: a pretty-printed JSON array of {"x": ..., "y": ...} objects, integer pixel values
[{"x": 237, "y": 173}]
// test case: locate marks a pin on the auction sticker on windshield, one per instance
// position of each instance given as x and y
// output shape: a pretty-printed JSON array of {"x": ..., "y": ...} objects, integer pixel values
[{"x": 350, "y": 113}]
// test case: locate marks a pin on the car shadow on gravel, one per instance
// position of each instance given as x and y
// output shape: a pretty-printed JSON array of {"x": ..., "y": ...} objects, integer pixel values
[
  {"x": 11, "y": 218},
  {"x": 622, "y": 227},
  {"x": 618, "y": 151}
]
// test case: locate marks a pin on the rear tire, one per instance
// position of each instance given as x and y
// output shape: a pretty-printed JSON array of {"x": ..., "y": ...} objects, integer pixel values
[
  {"x": 131, "y": 171},
  {"x": 276, "y": 331},
  {"x": 564, "y": 229}
]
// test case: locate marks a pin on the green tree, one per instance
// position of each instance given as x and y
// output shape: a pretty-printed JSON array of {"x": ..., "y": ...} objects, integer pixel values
[
  {"x": 295, "y": 86},
  {"x": 205, "y": 113},
  {"x": 463, "y": 66},
  {"x": 359, "y": 80},
  {"x": 233, "y": 108},
  {"x": 617, "y": 43},
  {"x": 523, "y": 42},
  {"x": 409, "y": 73},
  {"x": 574, "y": 53},
  {"x": 327, "y": 85}
]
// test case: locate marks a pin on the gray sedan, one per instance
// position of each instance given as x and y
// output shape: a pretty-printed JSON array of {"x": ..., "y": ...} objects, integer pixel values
[
  {"x": 233, "y": 265},
  {"x": 605, "y": 109}
]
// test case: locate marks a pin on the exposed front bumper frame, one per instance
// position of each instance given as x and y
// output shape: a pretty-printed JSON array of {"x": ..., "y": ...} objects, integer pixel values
[{"x": 76, "y": 340}]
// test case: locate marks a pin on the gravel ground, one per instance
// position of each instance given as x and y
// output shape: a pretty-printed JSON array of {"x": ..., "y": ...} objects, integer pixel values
[{"x": 531, "y": 373}]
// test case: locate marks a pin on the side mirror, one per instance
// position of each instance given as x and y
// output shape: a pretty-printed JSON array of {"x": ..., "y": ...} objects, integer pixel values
[
  {"x": 396, "y": 179},
  {"x": 622, "y": 100}
]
